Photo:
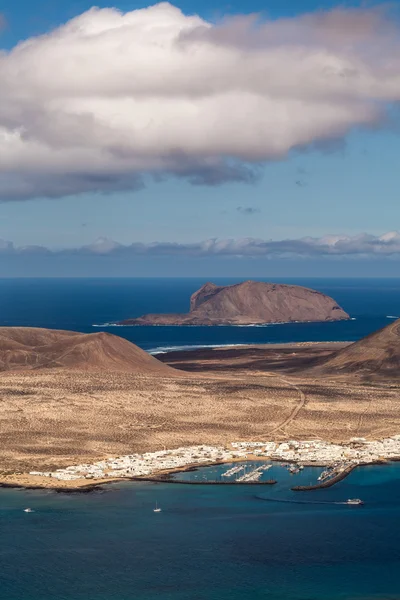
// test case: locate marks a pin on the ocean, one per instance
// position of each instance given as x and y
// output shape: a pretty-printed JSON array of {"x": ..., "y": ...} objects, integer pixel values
[
  {"x": 209, "y": 542},
  {"x": 88, "y": 304}
]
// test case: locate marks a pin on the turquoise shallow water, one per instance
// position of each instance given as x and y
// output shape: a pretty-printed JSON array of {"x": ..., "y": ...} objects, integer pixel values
[{"x": 208, "y": 543}]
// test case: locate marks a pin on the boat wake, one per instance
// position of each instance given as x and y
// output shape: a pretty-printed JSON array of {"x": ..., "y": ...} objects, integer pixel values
[{"x": 300, "y": 501}]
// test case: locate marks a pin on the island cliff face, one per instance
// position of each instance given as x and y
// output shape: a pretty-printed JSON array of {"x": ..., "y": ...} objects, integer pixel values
[{"x": 250, "y": 303}]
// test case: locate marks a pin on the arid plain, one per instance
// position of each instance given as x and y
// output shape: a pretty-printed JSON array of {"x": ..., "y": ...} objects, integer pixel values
[{"x": 73, "y": 410}]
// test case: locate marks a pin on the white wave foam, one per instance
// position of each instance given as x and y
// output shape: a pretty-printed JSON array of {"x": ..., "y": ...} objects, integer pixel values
[
  {"x": 392, "y": 317},
  {"x": 107, "y": 325},
  {"x": 183, "y": 348},
  {"x": 219, "y": 325},
  {"x": 165, "y": 349}
]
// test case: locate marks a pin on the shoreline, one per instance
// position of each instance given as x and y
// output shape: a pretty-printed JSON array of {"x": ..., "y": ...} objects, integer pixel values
[
  {"x": 266, "y": 346},
  {"x": 218, "y": 322},
  {"x": 78, "y": 488},
  {"x": 81, "y": 486}
]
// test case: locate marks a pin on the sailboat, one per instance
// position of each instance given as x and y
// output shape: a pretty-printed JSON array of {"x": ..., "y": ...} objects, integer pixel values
[{"x": 156, "y": 509}]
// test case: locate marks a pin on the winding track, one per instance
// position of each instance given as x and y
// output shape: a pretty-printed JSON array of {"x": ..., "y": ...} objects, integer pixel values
[
  {"x": 295, "y": 411},
  {"x": 292, "y": 415}
]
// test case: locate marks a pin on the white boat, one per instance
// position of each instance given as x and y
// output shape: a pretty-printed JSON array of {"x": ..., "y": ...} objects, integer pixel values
[
  {"x": 354, "y": 501},
  {"x": 156, "y": 509},
  {"x": 28, "y": 510}
]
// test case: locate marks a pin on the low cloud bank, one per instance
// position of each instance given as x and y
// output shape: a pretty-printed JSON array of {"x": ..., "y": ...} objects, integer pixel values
[
  {"x": 362, "y": 245},
  {"x": 111, "y": 98}
]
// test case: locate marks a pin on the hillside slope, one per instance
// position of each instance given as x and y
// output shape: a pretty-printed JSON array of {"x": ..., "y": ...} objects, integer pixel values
[
  {"x": 34, "y": 348},
  {"x": 377, "y": 355}
]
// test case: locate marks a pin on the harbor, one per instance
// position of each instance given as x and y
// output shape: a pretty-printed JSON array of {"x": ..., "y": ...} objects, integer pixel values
[
  {"x": 240, "y": 474},
  {"x": 240, "y": 458}
]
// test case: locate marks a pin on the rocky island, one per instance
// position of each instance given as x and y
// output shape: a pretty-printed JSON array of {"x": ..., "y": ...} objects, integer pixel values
[{"x": 250, "y": 303}]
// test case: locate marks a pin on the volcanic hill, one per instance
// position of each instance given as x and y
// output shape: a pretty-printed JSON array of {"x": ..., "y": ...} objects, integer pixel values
[
  {"x": 24, "y": 348},
  {"x": 250, "y": 303},
  {"x": 375, "y": 356}
]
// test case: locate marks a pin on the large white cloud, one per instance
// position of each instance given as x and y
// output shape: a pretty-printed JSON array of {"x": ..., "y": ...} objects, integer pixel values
[{"x": 110, "y": 96}]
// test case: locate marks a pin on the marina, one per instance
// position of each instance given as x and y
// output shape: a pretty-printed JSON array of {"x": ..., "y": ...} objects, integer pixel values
[
  {"x": 207, "y": 482},
  {"x": 254, "y": 475},
  {"x": 335, "y": 460}
]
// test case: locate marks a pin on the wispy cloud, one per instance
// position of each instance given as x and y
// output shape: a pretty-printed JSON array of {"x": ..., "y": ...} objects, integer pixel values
[
  {"x": 248, "y": 210},
  {"x": 112, "y": 98},
  {"x": 362, "y": 245}
]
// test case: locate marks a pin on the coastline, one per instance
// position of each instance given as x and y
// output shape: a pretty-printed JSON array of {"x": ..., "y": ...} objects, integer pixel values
[
  {"x": 145, "y": 467},
  {"x": 331, "y": 345},
  {"x": 81, "y": 486},
  {"x": 30, "y": 482},
  {"x": 217, "y": 322}
]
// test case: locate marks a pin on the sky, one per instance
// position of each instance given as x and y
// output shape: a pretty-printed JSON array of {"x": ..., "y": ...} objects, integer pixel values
[{"x": 199, "y": 138}]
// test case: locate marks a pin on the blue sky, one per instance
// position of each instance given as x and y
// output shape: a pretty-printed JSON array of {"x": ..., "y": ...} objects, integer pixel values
[
  {"x": 26, "y": 18},
  {"x": 348, "y": 186}
]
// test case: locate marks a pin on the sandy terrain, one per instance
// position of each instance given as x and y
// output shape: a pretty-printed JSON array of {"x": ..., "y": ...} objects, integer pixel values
[
  {"x": 59, "y": 417},
  {"x": 54, "y": 418},
  {"x": 68, "y": 398}
]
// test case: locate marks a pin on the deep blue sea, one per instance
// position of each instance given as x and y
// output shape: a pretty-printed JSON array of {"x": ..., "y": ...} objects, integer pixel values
[
  {"x": 79, "y": 304},
  {"x": 209, "y": 542}
]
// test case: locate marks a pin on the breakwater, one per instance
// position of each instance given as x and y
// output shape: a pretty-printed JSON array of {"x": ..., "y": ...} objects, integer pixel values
[
  {"x": 325, "y": 484},
  {"x": 169, "y": 479}
]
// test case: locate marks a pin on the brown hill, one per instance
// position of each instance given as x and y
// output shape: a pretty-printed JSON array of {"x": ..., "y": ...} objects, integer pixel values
[
  {"x": 34, "y": 348},
  {"x": 375, "y": 356},
  {"x": 250, "y": 302}
]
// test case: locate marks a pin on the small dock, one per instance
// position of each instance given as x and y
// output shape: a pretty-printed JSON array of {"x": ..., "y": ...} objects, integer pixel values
[{"x": 254, "y": 475}]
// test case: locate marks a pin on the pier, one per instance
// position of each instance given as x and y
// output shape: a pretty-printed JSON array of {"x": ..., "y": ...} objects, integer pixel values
[
  {"x": 233, "y": 471},
  {"x": 254, "y": 475},
  {"x": 326, "y": 483}
]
